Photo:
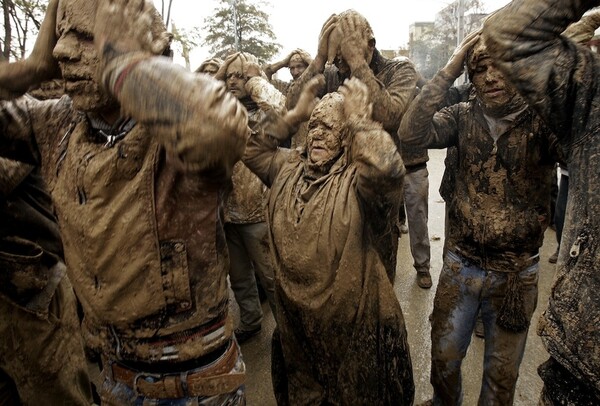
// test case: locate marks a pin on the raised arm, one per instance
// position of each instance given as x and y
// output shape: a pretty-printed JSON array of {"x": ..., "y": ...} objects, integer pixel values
[
  {"x": 557, "y": 77},
  {"x": 201, "y": 124},
  {"x": 422, "y": 126},
  {"x": 380, "y": 168},
  {"x": 317, "y": 65},
  {"x": 18, "y": 77},
  {"x": 262, "y": 155}
]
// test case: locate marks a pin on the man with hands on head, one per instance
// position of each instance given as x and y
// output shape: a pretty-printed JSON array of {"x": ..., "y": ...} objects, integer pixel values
[
  {"x": 245, "y": 225},
  {"x": 296, "y": 61},
  {"x": 137, "y": 160},
  {"x": 496, "y": 219}
]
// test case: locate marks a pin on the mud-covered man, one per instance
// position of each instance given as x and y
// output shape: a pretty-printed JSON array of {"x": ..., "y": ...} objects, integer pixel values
[
  {"x": 496, "y": 218},
  {"x": 560, "y": 80},
  {"x": 210, "y": 66},
  {"x": 245, "y": 225},
  {"x": 138, "y": 200},
  {"x": 296, "y": 61},
  {"x": 342, "y": 329}
]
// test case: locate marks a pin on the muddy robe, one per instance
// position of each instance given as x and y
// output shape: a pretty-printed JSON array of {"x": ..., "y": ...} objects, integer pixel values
[
  {"x": 342, "y": 329},
  {"x": 563, "y": 88}
]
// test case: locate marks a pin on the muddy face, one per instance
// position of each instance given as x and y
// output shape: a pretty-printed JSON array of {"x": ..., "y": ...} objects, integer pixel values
[
  {"x": 210, "y": 69},
  {"x": 236, "y": 80},
  {"x": 296, "y": 66},
  {"x": 325, "y": 130},
  {"x": 77, "y": 56},
  {"x": 494, "y": 92}
]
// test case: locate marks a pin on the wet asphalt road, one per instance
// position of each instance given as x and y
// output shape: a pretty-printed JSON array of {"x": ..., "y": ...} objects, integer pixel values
[{"x": 417, "y": 304}]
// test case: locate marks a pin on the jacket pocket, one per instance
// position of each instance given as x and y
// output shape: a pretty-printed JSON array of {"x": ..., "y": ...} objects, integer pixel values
[{"x": 22, "y": 271}]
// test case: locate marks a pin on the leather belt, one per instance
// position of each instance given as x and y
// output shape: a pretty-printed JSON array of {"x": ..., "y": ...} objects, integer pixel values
[{"x": 213, "y": 379}]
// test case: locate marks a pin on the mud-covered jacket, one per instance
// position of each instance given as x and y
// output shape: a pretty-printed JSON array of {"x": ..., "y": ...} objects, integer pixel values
[
  {"x": 143, "y": 238},
  {"x": 500, "y": 207},
  {"x": 30, "y": 246},
  {"x": 247, "y": 199},
  {"x": 563, "y": 87}
]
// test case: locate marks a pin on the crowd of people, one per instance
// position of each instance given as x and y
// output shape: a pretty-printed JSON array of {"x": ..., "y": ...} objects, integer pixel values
[{"x": 132, "y": 203}]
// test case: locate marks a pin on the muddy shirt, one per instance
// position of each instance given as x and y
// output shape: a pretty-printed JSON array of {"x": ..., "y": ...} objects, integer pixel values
[
  {"x": 144, "y": 243},
  {"x": 342, "y": 329},
  {"x": 500, "y": 207},
  {"x": 560, "y": 79}
]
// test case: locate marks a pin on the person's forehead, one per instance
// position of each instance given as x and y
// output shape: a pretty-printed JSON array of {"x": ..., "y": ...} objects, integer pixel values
[{"x": 76, "y": 15}]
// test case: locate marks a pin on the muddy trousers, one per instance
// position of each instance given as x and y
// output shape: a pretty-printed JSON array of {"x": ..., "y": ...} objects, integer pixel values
[
  {"x": 249, "y": 255},
  {"x": 463, "y": 290},
  {"x": 416, "y": 202},
  {"x": 44, "y": 356}
]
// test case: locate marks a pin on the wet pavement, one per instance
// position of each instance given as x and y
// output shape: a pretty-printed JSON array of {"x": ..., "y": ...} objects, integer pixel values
[{"x": 417, "y": 304}]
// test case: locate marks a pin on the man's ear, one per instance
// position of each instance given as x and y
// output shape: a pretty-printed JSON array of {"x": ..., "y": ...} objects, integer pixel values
[{"x": 372, "y": 44}]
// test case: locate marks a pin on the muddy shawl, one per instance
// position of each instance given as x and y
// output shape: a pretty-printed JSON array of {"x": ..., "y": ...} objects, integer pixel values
[
  {"x": 560, "y": 80},
  {"x": 342, "y": 329}
]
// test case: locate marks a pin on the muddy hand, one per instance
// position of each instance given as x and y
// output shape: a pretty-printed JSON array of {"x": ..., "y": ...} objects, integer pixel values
[
  {"x": 357, "y": 105},
  {"x": 323, "y": 47},
  {"x": 355, "y": 44},
  {"x": 456, "y": 63},
  {"x": 307, "y": 101},
  {"x": 125, "y": 26}
]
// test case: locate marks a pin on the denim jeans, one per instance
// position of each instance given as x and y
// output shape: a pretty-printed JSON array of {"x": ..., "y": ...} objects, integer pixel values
[
  {"x": 114, "y": 393},
  {"x": 463, "y": 290}
]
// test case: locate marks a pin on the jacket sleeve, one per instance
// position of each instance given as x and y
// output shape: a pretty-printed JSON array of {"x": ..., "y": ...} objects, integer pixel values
[
  {"x": 422, "y": 125},
  {"x": 17, "y": 135},
  {"x": 200, "y": 123},
  {"x": 262, "y": 155},
  {"x": 561, "y": 87},
  {"x": 380, "y": 168},
  {"x": 265, "y": 95},
  {"x": 390, "y": 100}
]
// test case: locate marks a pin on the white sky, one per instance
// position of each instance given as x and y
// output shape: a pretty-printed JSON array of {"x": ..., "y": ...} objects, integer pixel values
[{"x": 297, "y": 24}]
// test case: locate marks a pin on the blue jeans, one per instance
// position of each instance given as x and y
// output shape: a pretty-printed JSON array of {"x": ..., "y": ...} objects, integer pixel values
[
  {"x": 116, "y": 393},
  {"x": 463, "y": 290}
]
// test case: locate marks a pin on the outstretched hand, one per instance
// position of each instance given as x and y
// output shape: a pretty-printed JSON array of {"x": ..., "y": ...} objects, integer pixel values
[
  {"x": 307, "y": 101},
  {"x": 357, "y": 105},
  {"x": 126, "y": 26}
]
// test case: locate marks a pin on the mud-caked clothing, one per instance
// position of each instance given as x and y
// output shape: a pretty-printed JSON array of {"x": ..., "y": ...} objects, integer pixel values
[
  {"x": 342, "y": 330},
  {"x": 560, "y": 80},
  {"x": 142, "y": 230},
  {"x": 392, "y": 86},
  {"x": 496, "y": 218},
  {"x": 41, "y": 348}
]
